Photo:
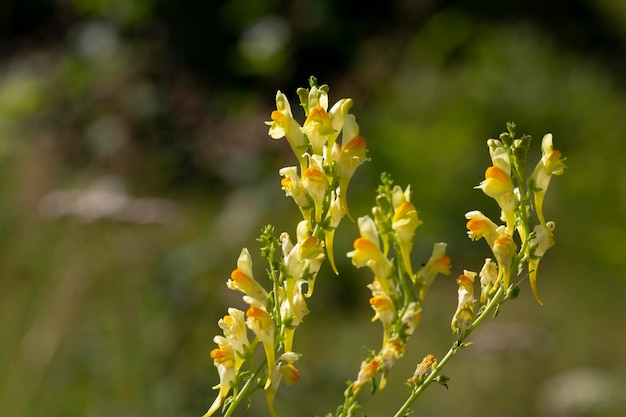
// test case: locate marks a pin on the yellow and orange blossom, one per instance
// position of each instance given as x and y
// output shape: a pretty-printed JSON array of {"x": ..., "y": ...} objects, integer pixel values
[
  {"x": 551, "y": 164},
  {"x": 499, "y": 186},
  {"x": 404, "y": 223},
  {"x": 241, "y": 279}
]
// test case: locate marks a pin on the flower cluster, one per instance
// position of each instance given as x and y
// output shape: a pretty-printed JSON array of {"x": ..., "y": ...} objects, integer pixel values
[
  {"x": 329, "y": 150},
  {"x": 514, "y": 244},
  {"x": 326, "y": 165},
  {"x": 384, "y": 246}
]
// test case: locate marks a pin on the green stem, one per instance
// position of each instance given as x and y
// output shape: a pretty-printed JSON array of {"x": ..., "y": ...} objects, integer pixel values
[
  {"x": 244, "y": 391},
  {"x": 456, "y": 346},
  {"x": 417, "y": 392},
  {"x": 350, "y": 400}
]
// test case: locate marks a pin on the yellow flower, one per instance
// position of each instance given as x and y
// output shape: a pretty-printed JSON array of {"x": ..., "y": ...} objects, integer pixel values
[
  {"x": 318, "y": 127},
  {"x": 464, "y": 315},
  {"x": 368, "y": 371},
  {"x": 241, "y": 278},
  {"x": 224, "y": 360},
  {"x": 234, "y": 327},
  {"x": 367, "y": 252},
  {"x": 315, "y": 183},
  {"x": 504, "y": 249},
  {"x": 349, "y": 156},
  {"x": 551, "y": 164},
  {"x": 404, "y": 223},
  {"x": 488, "y": 277},
  {"x": 496, "y": 183},
  {"x": 383, "y": 306},
  {"x": 261, "y": 323},
  {"x": 292, "y": 310},
  {"x": 335, "y": 214},
  {"x": 284, "y": 125},
  {"x": 438, "y": 263},
  {"x": 283, "y": 368},
  {"x": 289, "y": 373},
  {"x": 302, "y": 261},
  {"x": 292, "y": 186},
  {"x": 338, "y": 114},
  {"x": 499, "y": 155},
  {"x": 542, "y": 241},
  {"x": 399, "y": 196},
  {"x": 293, "y": 265},
  {"x": 479, "y": 226},
  {"x": 311, "y": 252},
  {"x": 499, "y": 186},
  {"x": 428, "y": 364},
  {"x": 411, "y": 318},
  {"x": 391, "y": 352}
]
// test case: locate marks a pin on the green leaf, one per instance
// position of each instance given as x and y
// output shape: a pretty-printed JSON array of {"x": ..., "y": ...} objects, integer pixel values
[{"x": 442, "y": 380}]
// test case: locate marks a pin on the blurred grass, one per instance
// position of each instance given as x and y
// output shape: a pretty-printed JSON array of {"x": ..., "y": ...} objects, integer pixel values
[{"x": 114, "y": 313}]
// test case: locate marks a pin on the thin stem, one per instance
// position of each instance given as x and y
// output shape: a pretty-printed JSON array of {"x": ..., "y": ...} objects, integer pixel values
[
  {"x": 244, "y": 391},
  {"x": 488, "y": 309},
  {"x": 455, "y": 346},
  {"x": 350, "y": 400},
  {"x": 417, "y": 392}
]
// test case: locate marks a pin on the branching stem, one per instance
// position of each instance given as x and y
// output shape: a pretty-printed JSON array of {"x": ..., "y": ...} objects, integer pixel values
[{"x": 404, "y": 410}]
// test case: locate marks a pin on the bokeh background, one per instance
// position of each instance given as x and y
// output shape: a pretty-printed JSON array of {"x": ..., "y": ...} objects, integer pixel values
[{"x": 135, "y": 165}]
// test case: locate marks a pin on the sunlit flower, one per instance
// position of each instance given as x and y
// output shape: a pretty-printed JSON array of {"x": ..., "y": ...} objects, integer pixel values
[
  {"x": 399, "y": 196},
  {"x": 368, "y": 370},
  {"x": 411, "y": 318},
  {"x": 551, "y": 164},
  {"x": 383, "y": 306},
  {"x": 499, "y": 186},
  {"x": 293, "y": 268},
  {"x": 318, "y": 127},
  {"x": 368, "y": 230},
  {"x": 504, "y": 249},
  {"x": 404, "y": 223},
  {"x": 317, "y": 96},
  {"x": 428, "y": 364},
  {"x": 479, "y": 226},
  {"x": 335, "y": 214},
  {"x": 438, "y": 263},
  {"x": 292, "y": 310},
  {"x": 261, "y": 323},
  {"x": 351, "y": 154},
  {"x": 488, "y": 277},
  {"x": 289, "y": 373},
  {"x": 302, "y": 263},
  {"x": 242, "y": 279},
  {"x": 464, "y": 315},
  {"x": 224, "y": 360},
  {"x": 367, "y": 252},
  {"x": 293, "y": 187},
  {"x": 391, "y": 352},
  {"x": 283, "y": 368},
  {"x": 235, "y": 330},
  {"x": 338, "y": 114},
  {"x": 499, "y": 155},
  {"x": 309, "y": 253},
  {"x": 284, "y": 125},
  {"x": 542, "y": 241},
  {"x": 315, "y": 183}
]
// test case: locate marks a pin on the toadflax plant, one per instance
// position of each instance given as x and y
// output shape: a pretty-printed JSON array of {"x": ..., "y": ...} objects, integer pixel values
[{"x": 328, "y": 150}]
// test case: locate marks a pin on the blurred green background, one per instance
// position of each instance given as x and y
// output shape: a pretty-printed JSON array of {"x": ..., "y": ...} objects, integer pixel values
[{"x": 135, "y": 165}]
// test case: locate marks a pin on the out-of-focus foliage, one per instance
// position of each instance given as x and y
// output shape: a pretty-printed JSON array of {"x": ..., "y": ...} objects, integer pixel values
[{"x": 134, "y": 165}]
